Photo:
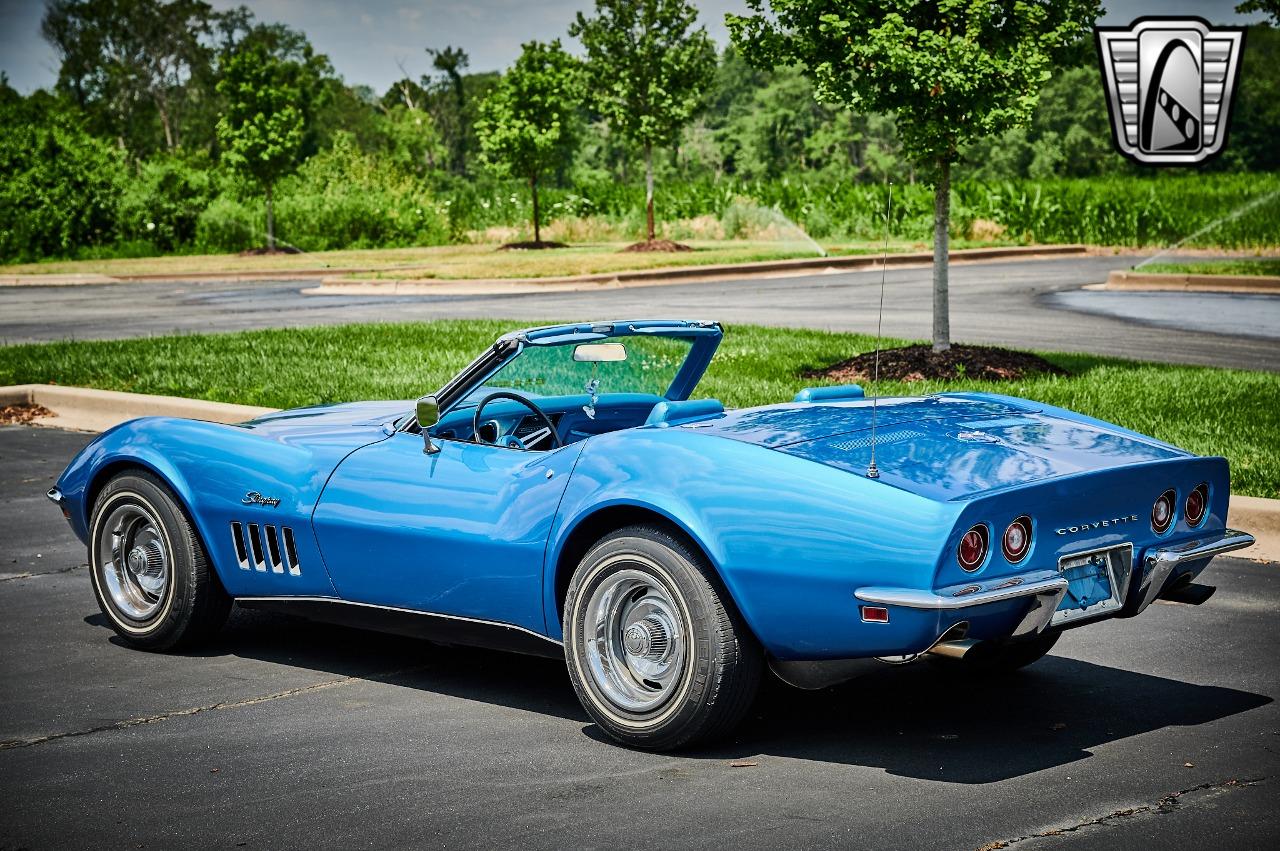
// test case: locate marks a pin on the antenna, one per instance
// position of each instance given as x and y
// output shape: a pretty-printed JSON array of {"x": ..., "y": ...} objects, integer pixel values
[{"x": 873, "y": 472}]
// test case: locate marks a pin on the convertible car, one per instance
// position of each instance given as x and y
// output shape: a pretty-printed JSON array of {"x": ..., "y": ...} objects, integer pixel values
[{"x": 564, "y": 496}]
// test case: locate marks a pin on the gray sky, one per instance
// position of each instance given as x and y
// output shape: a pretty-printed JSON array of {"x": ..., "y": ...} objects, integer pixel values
[{"x": 366, "y": 40}]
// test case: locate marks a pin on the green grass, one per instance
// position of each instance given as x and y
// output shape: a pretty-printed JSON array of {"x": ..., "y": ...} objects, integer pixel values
[
  {"x": 1210, "y": 411},
  {"x": 1267, "y": 266}
]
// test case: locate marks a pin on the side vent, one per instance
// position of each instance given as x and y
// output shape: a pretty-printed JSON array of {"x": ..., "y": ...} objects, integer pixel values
[{"x": 264, "y": 548}]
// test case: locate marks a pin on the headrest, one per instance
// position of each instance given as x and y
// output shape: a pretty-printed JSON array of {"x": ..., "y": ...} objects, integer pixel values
[
  {"x": 665, "y": 414},
  {"x": 829, "y": 394}
]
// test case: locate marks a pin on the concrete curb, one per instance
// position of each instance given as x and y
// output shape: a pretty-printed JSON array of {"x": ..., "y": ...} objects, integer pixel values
[
  {"x": 85, "y": 409},
  {"x": 333, "y": 285},
  {"x": 1260, "y": 518},
  {"x": 652, "y": 275},
  {"x": 1143, "y": 282},
  {"x": 55, "y": 280}
]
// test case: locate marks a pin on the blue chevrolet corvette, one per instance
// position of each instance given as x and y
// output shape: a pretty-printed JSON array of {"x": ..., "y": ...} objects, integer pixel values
[{"x": 564, "y": 496}]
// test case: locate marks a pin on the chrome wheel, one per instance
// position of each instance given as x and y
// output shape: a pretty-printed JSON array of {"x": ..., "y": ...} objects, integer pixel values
[
  {"x": 634, "y": 641},
  {"x": 134, "y": 563}
]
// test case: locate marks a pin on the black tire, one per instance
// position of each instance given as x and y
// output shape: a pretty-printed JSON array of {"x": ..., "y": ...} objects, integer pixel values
[
  {"x": 193, "y": 604},
  {"x": 718, "y": 679},
  {"x": 1003, "y": 658}
]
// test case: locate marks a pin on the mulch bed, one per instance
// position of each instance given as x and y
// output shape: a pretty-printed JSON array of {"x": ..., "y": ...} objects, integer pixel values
[
  {"x": 530, "y": 246},
  {"x": 266, "y": 252},
  {"x": 23, "y": 414},
  {"x": 921, "y": 362},
  {"x": 657, "y": 245}
]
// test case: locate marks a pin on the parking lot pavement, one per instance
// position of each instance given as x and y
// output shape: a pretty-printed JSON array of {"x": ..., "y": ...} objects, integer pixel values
[
  {"x": 1162, "y": 730},
  {"x": 1010, "y": 303}
]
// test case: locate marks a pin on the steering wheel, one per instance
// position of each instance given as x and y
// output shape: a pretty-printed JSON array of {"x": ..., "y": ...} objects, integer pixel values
[{"x": 548, "y": 428}]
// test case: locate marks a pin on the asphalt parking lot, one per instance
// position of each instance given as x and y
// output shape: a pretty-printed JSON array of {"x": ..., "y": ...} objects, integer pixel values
[{"x": 1160, "y": 729}]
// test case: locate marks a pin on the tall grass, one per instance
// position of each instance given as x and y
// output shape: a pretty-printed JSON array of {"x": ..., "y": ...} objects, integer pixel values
[{"x": 1122, "y": 210}]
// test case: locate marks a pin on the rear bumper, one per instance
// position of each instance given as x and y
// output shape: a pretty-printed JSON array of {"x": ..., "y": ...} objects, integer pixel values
[
  {"x": 1044, "y": 590},
  {"x": 1162, "y": 563},
  {"x": 1044, "y": 594}
]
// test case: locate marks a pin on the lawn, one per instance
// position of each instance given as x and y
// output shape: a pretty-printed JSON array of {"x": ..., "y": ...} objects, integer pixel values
[
  {"x": 1211, "y": 411},
  {"x": 466, "y": 261},
  {"x": 1265, "y": 266}
]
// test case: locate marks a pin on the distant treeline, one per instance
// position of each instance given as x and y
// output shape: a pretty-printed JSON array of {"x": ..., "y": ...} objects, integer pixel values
[{"x": 122, "y": 157}]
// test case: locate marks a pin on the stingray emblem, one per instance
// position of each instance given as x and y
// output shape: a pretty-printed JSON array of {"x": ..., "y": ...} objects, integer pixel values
[{"x": 1169, "y": 85}]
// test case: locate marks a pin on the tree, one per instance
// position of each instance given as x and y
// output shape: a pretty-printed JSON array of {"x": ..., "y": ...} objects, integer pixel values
[
  {"x": 1270, "y": 8},
  {"x": 128, "y": 56},
  {"x": 649, "y": 71},
  {"x": 526, "y": 124},
  {"x": 952, "y": 71},
  {"x": 261, "y": 129}
]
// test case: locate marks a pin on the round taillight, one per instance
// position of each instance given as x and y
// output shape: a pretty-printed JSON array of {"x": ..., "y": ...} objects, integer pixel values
[
  {"x": 973, "y": 548},
  {"x": 1197, "y": 502},
  {"x": 1162, "y": 512},
  {"x": 1017, "y": 540}
]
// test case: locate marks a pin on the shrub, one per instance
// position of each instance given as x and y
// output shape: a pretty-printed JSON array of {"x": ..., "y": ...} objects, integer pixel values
[
  {"x": 163, "y": 203},
  {"x": 229, "y": 225},
  {"x": 60, "y": 184}
]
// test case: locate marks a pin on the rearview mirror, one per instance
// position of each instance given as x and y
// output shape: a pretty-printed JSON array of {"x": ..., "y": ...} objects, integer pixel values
[
  {"x": 428, "y": 415},
  {"x": 599, "y": 352}
]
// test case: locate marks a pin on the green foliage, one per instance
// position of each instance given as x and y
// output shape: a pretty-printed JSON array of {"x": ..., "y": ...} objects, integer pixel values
[
  {"x": 130, "y": 61},
  {"x": 1205, "y": 410},
  {"x": 261, "y": 129},
  {"x": 345, "y": 198},
  {"x": 526, "y": 124},
  {"x": 60, "y": 183},
  {"x": 162, "y": 204},
  {"x": 227, "y": 226},
  {"x": 649, "y": 71},
  {"x": 952, "y": 72},
  {"x": 649, "y": 67}
]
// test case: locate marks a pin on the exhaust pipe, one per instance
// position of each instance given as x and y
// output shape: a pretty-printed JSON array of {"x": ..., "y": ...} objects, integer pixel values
[{"x": 954, "y": 649}]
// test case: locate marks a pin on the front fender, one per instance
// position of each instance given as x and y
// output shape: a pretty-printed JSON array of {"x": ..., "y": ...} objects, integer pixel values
[{"x": 212, "y": 468}]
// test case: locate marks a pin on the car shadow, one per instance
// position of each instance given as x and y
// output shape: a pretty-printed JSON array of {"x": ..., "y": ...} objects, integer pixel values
[{"x": 916, "y": 720}]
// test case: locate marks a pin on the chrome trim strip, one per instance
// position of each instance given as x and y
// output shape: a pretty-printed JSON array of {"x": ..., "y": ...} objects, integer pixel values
[
  {"x": 482, "y": 621},
  {"x": 1160, "y": 563},
  {"x": 914, "y": 598}
]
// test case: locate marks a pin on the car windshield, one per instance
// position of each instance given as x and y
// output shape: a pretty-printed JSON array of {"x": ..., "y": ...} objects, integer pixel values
[{"x": 650, "y": 366}]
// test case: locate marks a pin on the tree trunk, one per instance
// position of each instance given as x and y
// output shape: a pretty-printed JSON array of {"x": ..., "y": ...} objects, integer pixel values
[
  {"x": 537, "y": 233},
  {"x": 648, "y": 188},
  {"x": 941, "y": 220},
  {"x": 271, "y": 221}
]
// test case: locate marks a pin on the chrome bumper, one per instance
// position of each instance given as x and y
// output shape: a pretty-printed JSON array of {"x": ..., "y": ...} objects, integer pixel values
[
  {"x": 55, "y": 496},
  {"x": 1161, "y": 563},
  {"x": 1044, "y": 595}
]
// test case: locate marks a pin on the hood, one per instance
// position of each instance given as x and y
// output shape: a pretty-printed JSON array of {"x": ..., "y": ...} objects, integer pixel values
[
  {"x": 348, "y": 424},
  {"x": 943, "y": 447}
]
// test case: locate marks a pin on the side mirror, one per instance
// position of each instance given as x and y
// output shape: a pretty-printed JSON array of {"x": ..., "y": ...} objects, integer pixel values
[{"x": 428, "y": 416}]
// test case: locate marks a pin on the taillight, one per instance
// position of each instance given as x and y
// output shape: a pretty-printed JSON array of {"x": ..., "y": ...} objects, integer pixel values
[
  {"x": 1016, "y": 542},
  {"x": 1197, "y": 502},
  {"x": 973, "y": 548},
  {"x": 1162, "y": 512}
]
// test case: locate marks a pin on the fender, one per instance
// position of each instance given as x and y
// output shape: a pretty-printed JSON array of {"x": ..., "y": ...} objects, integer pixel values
[{"x": 791, "y": 540}]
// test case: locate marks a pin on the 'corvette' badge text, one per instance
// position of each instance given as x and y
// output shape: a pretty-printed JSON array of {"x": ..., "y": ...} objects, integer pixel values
[
  {"x": 255, "y": 498},
  {"x": 1097, "y": 524}
]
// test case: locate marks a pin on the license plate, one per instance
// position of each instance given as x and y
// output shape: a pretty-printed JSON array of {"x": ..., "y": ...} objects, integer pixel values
[{"x": 1091, "y": 585}]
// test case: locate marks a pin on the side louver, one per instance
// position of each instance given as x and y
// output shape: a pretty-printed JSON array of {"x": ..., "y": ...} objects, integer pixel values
[{"x": 265, "y": 548}]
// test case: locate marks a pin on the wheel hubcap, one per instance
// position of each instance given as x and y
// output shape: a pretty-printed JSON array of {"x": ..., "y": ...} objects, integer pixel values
[
  {"x": 133, "y": 561},
  {"x": 634, "y": 641}
]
